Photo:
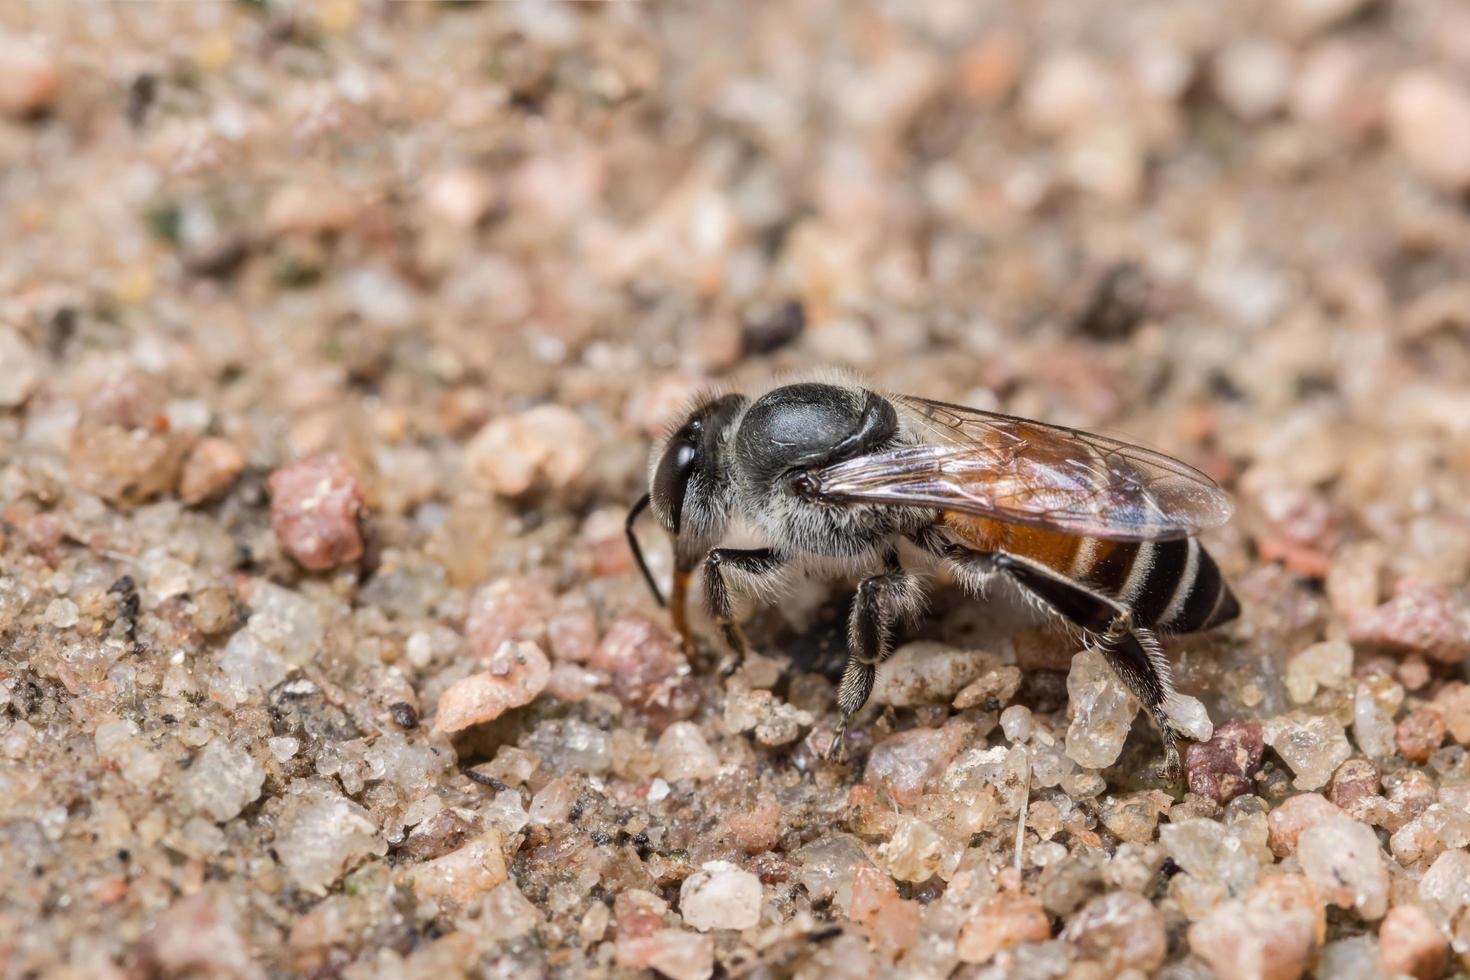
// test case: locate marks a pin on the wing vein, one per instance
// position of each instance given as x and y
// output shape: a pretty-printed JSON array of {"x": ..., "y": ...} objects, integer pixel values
[{"x": 1020, "y": 471}]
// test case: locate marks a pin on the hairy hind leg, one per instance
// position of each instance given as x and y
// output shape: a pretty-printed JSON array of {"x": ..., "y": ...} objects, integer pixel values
[
  {"x": 1136, "y": 659},
  {"x": 1133, "y": 653},
  {"x": 881, "y": 600}
]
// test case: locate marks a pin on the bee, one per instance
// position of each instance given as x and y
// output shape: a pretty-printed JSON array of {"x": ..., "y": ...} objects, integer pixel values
[{"x": 834, "y": 478}]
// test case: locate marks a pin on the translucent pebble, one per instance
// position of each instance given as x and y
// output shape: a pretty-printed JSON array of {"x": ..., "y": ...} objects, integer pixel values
[
  {"x": 1454, "y": 700},
  {"x": 199, "y": 935},
  {"x": 505, "y": 812},
  {"x": 638, "y": 913},
  {"x": 1083, "y": 785},
  {"x": 918, "y": 852},
  {"x": 1376, "y": 700},
  {"x": 1102, "y": 712},
  {"x": 1446, "y": 885},
  {"x": 1135, "y": 817},
  {"x": 222, "y": 781},
  {"x": 683, "y": 753},
  {"x": 1439, "y": 827},
  {"x": 465, "y": 874},
  {"x": 1017, "y": 723},
  {"x": 1341, "y": 856},
  {"x": 61, "y": 613},
  {"x": 284, "y": 747},
  {"x": 422, "y": 809},
  {"x": 165, "y": 575},
  {"x": 572, "y": 635},
  {"x": 828, "y": 865},
  {"x": 571, "y": 745},
  {"x": 1354, "y": 786},
  {"x": 409, "y": 765},
  {"x": 459, "y": 197},
  {"x": 1322, "y": 665},
  {"x": 419, "y": 649},
  {"x": 594, "y": 924},
  {"x": 379, "y": 296},
  {"x": 506, "y": 913},
  {"x": 774, "y": 722},
  {"x": 553, "y": 802},
  {"x": 904, "y": 765},
  {"x": 1190, "y": 716},
  {"x": 321, "y": 834},
  {"x": 925, "y": 672},
  {"x": 203, "y": 836},
  {"x": 1120, "y": 930},
  {"x": 720, "y": 896},
  {"x": 1210, "y": 852},
  {"x": 119, "y": 742},
  {"x": 648, "y": 673},
  {"x": 1355, "y": 958},
  {"x": 1252, "y": 76},
  {"x": 1312, "y": 745},
  {"x": 996, "y": 686},
  {"x": 285, "y": 621},
  {"x": 1046, "y": 853}
]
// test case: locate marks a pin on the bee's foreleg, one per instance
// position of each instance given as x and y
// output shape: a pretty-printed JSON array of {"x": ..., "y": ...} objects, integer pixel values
[
  {"x": 744, "y": 568},
  {"x": 881, "y": 601},
  {"x": 1131, "y": 651}
]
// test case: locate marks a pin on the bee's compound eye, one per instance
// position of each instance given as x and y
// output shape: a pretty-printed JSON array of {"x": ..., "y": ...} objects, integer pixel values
[{"x": 671, "y": 480}]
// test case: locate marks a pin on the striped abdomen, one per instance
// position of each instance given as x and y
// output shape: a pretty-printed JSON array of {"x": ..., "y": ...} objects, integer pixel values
[{"x": 1169, "y": 585}]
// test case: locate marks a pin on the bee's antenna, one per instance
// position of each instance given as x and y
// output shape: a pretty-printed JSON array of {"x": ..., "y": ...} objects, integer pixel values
[{"x": 638, "y": 508}]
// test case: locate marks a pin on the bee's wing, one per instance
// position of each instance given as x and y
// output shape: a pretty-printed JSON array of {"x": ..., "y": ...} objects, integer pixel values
[{"x": 1024, "y": 472}]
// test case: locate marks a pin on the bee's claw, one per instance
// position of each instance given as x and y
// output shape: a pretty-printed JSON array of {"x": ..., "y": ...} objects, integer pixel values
[
  {"x": 837, "y": 751},
  {"x": 1171, "y": 770}
]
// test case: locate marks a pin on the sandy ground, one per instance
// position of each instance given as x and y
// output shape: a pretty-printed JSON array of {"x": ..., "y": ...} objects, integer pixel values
[{"x": 333, "y": 339}]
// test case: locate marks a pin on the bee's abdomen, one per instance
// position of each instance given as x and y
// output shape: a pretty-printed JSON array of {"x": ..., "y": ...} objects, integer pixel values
[{"x": 1171, "y": 585}]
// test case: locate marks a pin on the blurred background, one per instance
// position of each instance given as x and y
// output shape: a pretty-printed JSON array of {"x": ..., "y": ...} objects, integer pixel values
[{"x": 466, "y": 260}]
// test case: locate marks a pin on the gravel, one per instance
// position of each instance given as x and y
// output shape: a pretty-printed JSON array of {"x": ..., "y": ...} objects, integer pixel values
[{"x": 332, "y": 341}]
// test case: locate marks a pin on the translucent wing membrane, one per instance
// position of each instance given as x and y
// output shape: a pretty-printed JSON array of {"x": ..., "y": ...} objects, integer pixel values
[{"x": 1024, "y": 472}]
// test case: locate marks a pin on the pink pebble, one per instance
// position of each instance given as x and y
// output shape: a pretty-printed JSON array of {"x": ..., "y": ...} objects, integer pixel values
[{"x": 315, "y": 506}]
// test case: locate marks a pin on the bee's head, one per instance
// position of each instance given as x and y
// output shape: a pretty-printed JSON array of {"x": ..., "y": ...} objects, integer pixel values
[
  {"x": 684, "y": 470},
  {"x": 685, "y": 489}
]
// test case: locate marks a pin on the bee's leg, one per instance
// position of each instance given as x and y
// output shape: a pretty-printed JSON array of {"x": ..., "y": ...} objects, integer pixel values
[
  {"x": 881, "y": 600},
  {"x": 744, "y": 567},
  {"x": 1136, "y": 658},
  {"x": 1131, "y": 651}
]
